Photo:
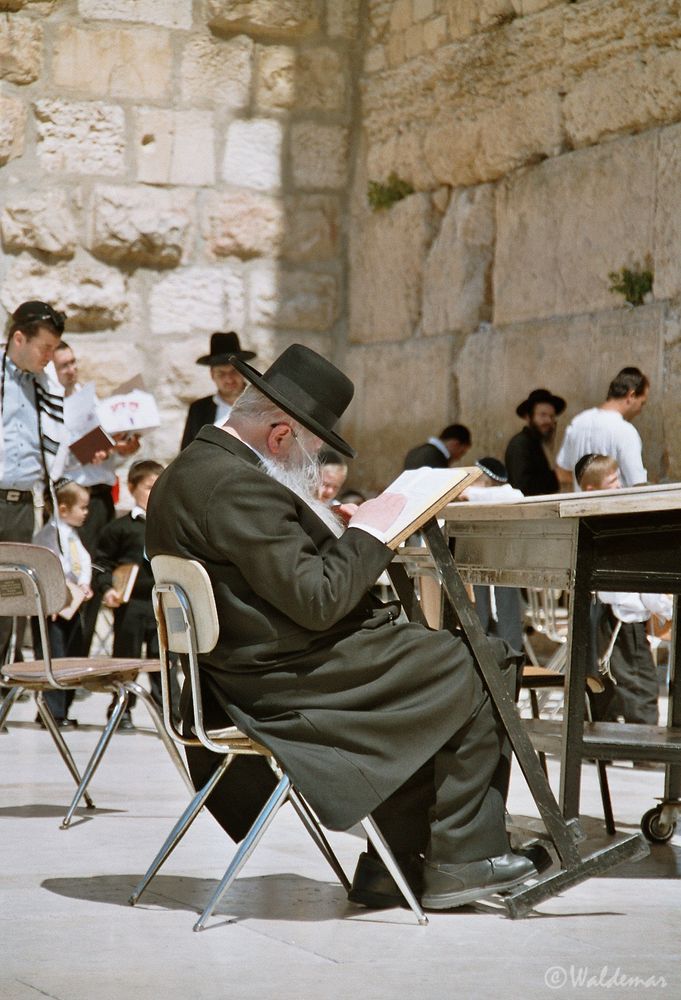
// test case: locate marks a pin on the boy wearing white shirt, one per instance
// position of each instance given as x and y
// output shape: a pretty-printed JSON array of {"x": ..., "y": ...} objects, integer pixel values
[
  {"x": 625, "y": 659},
  {"x": 61, "y": 536}
]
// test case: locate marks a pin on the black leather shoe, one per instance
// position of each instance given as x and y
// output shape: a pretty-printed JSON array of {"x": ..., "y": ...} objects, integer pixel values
[
  {"x": 126, "y": 725},
  {"x": 374, "y": 887},
  {"x": 447, "y": 886}
]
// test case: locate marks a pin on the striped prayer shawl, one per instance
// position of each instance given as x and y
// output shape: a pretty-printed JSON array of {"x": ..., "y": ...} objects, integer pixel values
[{"x": 50, "y": 408}]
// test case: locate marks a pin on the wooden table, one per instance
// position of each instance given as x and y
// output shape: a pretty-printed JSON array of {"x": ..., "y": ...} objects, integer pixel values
[{"x": 626, "y": 540}]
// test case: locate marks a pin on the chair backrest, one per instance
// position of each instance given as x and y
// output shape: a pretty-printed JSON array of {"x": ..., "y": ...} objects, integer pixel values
[
  {"x": 19, "y": 564},
  {"x": 189, "y": 578}
]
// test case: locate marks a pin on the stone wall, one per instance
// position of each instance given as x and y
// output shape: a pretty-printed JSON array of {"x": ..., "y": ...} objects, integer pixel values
[
  {"x": 171, "y": 167},
  {"x": 540, "y": 139}
]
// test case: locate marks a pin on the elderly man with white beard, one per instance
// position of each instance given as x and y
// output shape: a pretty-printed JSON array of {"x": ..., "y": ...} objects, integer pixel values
[{"x": 365, "y": 713}]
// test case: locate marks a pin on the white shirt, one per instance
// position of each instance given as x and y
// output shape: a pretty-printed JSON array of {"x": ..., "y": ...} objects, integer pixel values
[
  {"x": 604, "y": 432},
  {"x": 85, "y": 475},
  {"x": 223, "y": 410},
  {"x": 637, "y": 607}
]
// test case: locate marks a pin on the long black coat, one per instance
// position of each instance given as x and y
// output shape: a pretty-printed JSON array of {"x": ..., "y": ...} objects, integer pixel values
[
  {"x": 307, "y": 662},
  {"x": 201, "y": 411}
]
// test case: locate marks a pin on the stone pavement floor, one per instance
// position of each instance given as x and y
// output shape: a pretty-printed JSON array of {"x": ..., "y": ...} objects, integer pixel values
[{"x": 286, "y": 930}]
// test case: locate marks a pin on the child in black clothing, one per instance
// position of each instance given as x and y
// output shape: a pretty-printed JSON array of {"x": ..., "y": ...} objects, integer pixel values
[{"x": 122, "y": 541}]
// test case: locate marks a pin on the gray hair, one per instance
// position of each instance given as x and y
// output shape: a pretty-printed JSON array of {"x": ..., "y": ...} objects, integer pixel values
[{"x": 254, "y": 406}]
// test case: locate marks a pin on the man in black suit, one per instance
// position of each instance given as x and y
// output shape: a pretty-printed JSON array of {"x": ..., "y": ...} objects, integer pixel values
[
  {"x": 526, "y": 460},
  {"x": 228, "y": 381},
  {"x": 451, "y": 445},
  {"x": 367, "y": 714}
]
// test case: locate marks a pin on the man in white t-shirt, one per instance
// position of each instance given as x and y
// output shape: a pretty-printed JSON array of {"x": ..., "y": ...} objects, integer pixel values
[{"x": 607, "y": 430}]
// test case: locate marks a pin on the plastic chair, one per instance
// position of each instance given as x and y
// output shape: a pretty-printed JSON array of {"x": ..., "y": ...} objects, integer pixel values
[
  {"x": 32, "y": 584},
  {"x": 188, "y": 624}
]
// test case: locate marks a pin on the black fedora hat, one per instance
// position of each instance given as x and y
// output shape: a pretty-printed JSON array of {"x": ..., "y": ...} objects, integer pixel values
[
  {"x": 540, "y": 396},
  {"x": 309, "y": 388},
  {"x": 222, "y": 346}
]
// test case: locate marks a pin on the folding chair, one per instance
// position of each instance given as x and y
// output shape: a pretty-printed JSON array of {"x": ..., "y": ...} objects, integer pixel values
[
  {"x": 32, "y": 584},
  {"x": 188, "y": 624}
]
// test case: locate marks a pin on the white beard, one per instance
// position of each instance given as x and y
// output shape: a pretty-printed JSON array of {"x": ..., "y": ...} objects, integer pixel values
[{"x": 302, "y": 481}]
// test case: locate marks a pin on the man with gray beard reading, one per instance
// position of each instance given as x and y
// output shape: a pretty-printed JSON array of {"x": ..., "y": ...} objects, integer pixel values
[{"x": 366, "y": 714}]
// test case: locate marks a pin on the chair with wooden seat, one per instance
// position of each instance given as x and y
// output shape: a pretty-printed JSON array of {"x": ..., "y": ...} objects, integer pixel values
[
  {"x": 188, "y": 624},
  {"x": 32, "y": 584}
]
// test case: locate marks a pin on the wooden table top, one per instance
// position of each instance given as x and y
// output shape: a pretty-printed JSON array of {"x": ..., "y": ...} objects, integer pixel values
[{"x": 637, "y": 499}]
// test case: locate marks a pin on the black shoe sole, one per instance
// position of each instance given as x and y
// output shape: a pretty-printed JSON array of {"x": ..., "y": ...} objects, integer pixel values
[{"x": 460, "y": 897}]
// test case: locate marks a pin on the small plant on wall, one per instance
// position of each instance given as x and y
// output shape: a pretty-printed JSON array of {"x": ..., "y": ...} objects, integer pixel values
[
  {"x": 384, "y": 195},
  {"x": 633, "y": 283}
]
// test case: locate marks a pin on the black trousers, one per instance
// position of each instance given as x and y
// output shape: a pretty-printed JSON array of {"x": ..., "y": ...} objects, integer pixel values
[
  {"x": 16, "y": 525},
  {"x": 135, "y": 629},
  {"x": 634, "y": 696},
  {"x": 66, "y": 639},
  {"x": 100, "y": 512}
]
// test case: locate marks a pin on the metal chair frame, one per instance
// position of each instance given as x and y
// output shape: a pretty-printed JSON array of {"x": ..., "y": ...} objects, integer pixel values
[
  {"x": 187, "y": 623},
  {"x": 32, "y": 584}
]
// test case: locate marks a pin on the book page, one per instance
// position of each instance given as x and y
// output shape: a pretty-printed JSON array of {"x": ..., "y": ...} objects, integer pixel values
[{"x": 427, "y": 491}]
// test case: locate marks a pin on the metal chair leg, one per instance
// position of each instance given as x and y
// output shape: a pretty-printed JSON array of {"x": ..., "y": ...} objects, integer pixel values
[
  {"x": 181, "y": 827},
  {"x": 7, "y": 702},
  {"x": 386, "y": 855},
  {"x": 98, "y": 753},
  {"x": 59, "y": 742},
  {"x": 309, "y": 821},
  {"x": 248, "y": 845},
  {"x": 135, "y": 688}
]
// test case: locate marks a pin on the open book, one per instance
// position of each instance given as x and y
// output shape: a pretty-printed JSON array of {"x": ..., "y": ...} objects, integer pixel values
[
  {"x": 123, "y": 580},
  {"x": 427, "y": 491}
]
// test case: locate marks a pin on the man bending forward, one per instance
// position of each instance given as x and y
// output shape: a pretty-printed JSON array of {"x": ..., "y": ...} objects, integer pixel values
[{"x": 366, "y": 715}]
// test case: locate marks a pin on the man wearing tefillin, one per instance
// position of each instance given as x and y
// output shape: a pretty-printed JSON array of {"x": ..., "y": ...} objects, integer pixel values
[{"x": 366, "y": 714}]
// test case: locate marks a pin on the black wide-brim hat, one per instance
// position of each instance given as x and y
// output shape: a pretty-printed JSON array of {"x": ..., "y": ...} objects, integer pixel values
[
  {"x": 540, "y": 396},
  {"x": 309, "y": 388},
  {"x": 222, "y": 347}
]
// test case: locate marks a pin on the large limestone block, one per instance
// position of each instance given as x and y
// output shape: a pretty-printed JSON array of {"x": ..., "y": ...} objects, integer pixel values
[
  {"x": 668, "y": 397},
  {"x": 387, "y": 254},
  {"x": 319, "y": 155},
  {"x": 175, "y": 147},
  {"x": 292, "y": 299},
  {"x": 342, "y": 18},
  {"x": 253, "y": 154},
  {"x": 140, "y": 227},
  {"x": 38, "y": 7},
  {"x": 94, "y": 297},
  {"x": 402, "y": 397},
  {"x": 564, "y": 225},
  {"x": 80, "y": 137},
  {"x": 244, "y": 224},
  {"x": 41, "y": 220},
  {"x": 487, "y": 146},
  {"x": 216, "y": 71},
  {"x": 533, "y": 6},
  {"x": 456, "y": 279},
  {"x": 626, "y": 97},
  {"x": 109, "y": 361},
  {"x": 312, "y": 227},
  {"x": 12, "y": 128},
  {"x": 198, "y": 298},
  {"x": 575, "y": 357},
  {"x": 667, "y": 241},
  {"x": 309, "y": 79},
  {"x": 166, "y": 13},
  {"x": 21, "y": 49},
  {"x": 264, "y": 17},
  {"x": 113, "y": 62},
  {"x": 469, "y": 16}
]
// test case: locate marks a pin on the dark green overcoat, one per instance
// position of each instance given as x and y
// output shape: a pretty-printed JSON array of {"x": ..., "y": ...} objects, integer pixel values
[{"x": 307, "y": 662}]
